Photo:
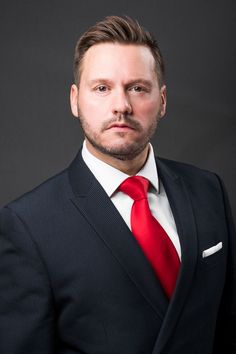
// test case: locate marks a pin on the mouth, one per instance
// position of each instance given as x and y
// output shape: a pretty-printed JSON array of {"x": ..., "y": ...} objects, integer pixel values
[{"x": 120, "y": 126}]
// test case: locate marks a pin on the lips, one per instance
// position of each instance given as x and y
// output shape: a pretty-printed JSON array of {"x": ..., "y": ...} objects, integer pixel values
[{"x": 120, "y": 126}]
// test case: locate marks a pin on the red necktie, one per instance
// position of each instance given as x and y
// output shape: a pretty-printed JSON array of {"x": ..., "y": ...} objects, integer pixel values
[{"x": 150, "y": 235}]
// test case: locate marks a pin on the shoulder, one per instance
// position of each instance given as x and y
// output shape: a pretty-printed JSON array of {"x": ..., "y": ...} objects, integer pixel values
[
  {"x": 182, "y": 167},
  {"x": 202, "y": 186},
  {"x": 48, "y": 196},
  {"x": 195, "y": 178}
]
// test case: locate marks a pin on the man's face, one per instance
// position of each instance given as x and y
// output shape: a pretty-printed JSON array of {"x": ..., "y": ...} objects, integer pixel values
[{"x": 119, "y": 101}]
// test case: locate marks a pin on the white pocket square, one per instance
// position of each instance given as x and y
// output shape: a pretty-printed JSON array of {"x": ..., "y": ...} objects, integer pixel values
[{"x": 212, "y": 250}]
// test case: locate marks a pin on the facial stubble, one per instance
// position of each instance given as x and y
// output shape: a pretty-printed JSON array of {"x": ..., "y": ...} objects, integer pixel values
[{"x": 127, "y": 151}]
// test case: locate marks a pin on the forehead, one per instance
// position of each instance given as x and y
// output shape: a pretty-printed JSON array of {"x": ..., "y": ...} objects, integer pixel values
[{"x": 115, "y": 59}]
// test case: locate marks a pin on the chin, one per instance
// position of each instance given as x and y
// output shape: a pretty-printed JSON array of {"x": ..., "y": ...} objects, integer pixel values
[
  {"x": 124, "y": 151},
  {"x": 117, "y": 147}
]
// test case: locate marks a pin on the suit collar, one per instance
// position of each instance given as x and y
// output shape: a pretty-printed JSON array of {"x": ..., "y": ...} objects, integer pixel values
[{"x": 80, "y": 177}]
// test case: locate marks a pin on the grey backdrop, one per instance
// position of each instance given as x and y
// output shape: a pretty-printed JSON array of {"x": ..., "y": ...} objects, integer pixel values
[{"x": 39, "y": 137}]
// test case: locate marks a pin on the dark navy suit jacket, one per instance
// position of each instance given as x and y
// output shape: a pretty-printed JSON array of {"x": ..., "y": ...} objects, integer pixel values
[{"x": 74, "y": 280}]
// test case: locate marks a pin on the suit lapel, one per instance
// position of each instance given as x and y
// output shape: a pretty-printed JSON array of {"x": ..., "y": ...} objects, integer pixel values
[
  {"x": 94, "y": 204},
  {"x": 180, "y": 203}
]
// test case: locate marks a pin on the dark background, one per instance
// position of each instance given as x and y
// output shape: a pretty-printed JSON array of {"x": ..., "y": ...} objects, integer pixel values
[{"x": 39, "y": 137}]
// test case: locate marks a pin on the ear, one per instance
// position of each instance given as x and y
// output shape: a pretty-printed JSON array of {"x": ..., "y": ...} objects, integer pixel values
[
  {"x": 163, "y": 101},
  {"x": 74, "y": 100}
]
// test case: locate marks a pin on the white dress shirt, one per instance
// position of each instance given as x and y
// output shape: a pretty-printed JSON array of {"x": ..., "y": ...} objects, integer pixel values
[{"x": 110, "y": 178}]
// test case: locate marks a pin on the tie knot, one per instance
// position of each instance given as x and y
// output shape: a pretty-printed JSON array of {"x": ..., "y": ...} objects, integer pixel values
[{"x": 135, "y": 186}]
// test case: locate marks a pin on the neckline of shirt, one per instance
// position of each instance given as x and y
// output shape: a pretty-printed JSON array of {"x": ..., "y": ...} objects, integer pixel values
[{"x": 110, "y": 178}]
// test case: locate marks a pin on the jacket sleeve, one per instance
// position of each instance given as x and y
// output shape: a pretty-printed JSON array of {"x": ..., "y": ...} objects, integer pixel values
[
  {"x": 225, "y": 338},
  {"x": 26, "y": 306}
]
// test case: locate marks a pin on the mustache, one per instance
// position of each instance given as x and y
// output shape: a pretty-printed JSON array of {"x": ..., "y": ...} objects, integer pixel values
[{"x": 124, "y": 120}]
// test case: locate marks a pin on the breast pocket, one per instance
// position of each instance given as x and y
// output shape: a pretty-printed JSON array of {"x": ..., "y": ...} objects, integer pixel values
[{"x": 213, "y": 255}]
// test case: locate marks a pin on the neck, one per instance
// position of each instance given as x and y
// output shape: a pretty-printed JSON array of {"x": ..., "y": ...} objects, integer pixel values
[{"x": 129, "y": 167}]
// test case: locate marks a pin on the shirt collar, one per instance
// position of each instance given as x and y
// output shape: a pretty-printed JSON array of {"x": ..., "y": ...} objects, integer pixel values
[{"x": 110, "y": 178}]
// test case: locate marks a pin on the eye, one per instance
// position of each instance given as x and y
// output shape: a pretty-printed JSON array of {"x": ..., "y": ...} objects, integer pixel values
[
  {"x": 101, "y": 88},
  {"x": 138, "y": 89}
]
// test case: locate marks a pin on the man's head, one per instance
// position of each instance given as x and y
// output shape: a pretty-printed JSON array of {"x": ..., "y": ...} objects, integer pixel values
[
  {"x": 114, "y": 29},
  {"x": 119, "y": 94}
]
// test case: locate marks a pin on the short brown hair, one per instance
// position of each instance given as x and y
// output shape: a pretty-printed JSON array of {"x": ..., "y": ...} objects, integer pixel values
[{"x": 117, "y": 29}]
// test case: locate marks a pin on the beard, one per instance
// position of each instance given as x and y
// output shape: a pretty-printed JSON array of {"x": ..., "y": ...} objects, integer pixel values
[{"x": 127, "y": 150}]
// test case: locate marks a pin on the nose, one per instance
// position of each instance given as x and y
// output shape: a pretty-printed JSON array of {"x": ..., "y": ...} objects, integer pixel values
[{"x": 121, "y": 103}]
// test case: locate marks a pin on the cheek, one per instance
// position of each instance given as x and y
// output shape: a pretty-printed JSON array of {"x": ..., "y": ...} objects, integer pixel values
[
  {"x": 88, "y": 109},
  {"x": 147, "y": 109},
  {"x": 92, "y": 109}
]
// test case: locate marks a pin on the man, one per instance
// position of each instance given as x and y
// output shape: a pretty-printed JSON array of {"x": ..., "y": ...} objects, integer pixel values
[{"x": 95, "y": 261}]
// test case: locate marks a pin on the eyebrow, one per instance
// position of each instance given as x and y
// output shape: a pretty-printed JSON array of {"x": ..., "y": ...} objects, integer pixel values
[
  {"x": 100, "y": 81},
  {"x": 130, "y": 83},
  {"x": 141, "y": 81}
]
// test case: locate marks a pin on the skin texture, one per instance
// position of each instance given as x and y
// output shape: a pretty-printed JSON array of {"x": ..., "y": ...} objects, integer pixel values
[{"x": 119, "y": 103}]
